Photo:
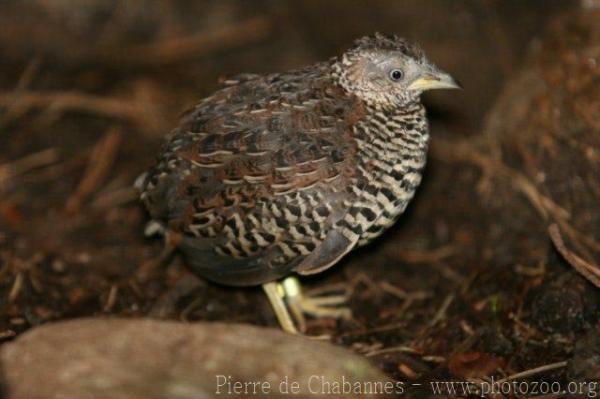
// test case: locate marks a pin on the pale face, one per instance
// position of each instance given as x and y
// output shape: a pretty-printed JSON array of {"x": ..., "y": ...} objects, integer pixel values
[{"x": 391, "y": 78}]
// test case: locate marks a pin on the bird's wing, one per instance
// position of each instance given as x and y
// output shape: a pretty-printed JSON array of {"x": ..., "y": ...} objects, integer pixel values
[{"x": 255, "y": 176}]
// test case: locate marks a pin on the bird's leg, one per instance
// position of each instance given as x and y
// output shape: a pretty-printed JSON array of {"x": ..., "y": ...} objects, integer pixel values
[
  {"x": 286, "y": 297},
  {"x": 293, "y": 294},
  {"x": 300, "y": 304},
  {"x": 276, "y": 296}
]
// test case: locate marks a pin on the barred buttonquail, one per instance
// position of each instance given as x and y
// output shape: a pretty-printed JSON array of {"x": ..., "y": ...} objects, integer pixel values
[{"x": 288, "y": 172}]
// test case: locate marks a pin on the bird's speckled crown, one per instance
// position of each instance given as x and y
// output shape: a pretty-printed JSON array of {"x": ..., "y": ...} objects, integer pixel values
[
  {"x": 353, "y": 69},
  {"x": 383, "y": 42}
]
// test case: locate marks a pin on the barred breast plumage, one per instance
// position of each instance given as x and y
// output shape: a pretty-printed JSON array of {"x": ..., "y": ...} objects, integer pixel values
[{"x": 288, "y": 172}]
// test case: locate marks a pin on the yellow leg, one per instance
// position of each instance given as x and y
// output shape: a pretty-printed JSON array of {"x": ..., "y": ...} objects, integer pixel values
[
  {"x": 286, "y": 297},
  {"x": 276, "y": 295},
  {"x": 326, "y": 306},
  {"x": 293, "y": 293}
]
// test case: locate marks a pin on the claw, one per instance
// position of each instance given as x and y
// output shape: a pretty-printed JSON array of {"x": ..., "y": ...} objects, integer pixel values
[{"x": 286, "y": 297}]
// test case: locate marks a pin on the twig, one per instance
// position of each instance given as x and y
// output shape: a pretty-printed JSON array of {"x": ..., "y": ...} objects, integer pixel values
[
  {"x": 115, "y": 198},
  {"x": 533, "y": 371},
  {"x": 327, "y": 289},
  {"x": 448, "y": 272},
  {"x": 577, "y": 236},
  {"x": 25, "y": 164},
  {"x": 441, "y": 313},
  {"x": 394, "y": 349},
  {"x": 148, "y": 267},
  {"x": 465, "y": 151},
  {"x": 407, "y": 371},
  {"x": 378, "y": 329},
  {"x": 466, "y": 327},
  {"x": 586, "y": 269},
  {"x": 401, "y": 294},
  {"x": 112, "y": 298},
  {"x": 184, "y": 315},
  {"x": 12, "y": 112},
  {"x": 5, "y": 334},
  {"x": 408, "y": 297},
  {"x": 427, "y": 256},
  {"x": 182, "y": 48},
  {"x": 546, "y": 207},
  {"x": 135, "y": 287},
  {"x": 32, "y": 68},
  {"x": 16, "y": 287},
  {"x": 100, "y": 162},
  {"x": 531, "y": 271},
  {"x": 166, "y": 304},
  {"x": 364, "y": 279},
  {"x": 123, "y": 108},
  {"x": 434, "y": 359}
]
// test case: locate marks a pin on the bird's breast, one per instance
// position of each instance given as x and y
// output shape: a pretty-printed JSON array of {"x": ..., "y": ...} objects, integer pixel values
[{"x": 392, "y": 154}]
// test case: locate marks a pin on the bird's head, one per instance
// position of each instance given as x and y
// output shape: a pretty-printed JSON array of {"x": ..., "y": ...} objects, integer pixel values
[{"x": 388, "y": 71}]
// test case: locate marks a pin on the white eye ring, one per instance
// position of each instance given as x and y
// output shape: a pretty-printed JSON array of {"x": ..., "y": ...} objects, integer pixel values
[{"x": 396, "y": 74}]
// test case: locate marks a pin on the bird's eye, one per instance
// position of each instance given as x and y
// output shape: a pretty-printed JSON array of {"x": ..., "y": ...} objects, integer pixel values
[{"x": 396, "y": 74}]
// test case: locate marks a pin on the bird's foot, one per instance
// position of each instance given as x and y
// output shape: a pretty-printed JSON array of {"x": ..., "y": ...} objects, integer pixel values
[{"x": 287, "y": 297}]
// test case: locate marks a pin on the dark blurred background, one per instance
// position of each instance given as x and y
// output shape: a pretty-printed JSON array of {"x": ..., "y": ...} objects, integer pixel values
[
  {"x": 189, "y": 45},
  {"x": 89, "y": 90}
]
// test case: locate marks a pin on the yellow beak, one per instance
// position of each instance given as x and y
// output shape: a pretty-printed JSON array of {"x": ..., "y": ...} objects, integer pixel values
[{"x": 436, "y": 80}]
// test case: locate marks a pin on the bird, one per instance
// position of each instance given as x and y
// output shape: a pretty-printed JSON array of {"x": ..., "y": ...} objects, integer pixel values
[{"x": 281, "y": 175}]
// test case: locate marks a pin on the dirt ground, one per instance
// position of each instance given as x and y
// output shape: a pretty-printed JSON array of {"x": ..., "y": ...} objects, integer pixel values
[{"x": 87, "y": 96}]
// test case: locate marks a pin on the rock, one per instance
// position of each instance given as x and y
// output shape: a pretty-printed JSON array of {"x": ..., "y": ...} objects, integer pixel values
[
  {"x": 493, "y": 197},
  {"x": 494, "y": 342},
  {"x": 566, "y": 304},
  {"x": 585, "y": 363},
  {"x": 118, "y": 358},
  {"x": 537, "y": 163},
  {"x": 545, "y": 128}
]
